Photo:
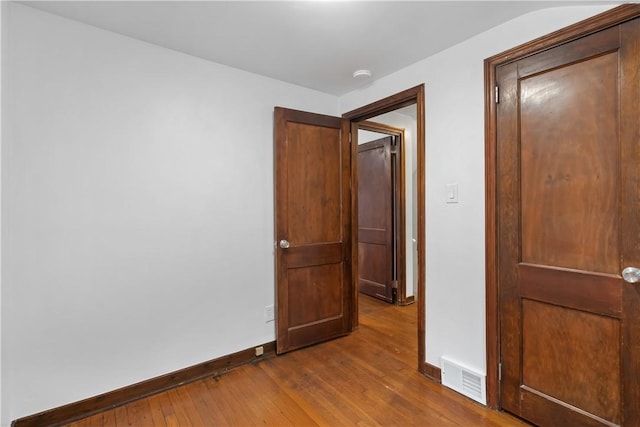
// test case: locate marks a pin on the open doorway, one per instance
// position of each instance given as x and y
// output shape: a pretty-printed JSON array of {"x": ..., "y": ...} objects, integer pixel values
[
  {"x": 316, "y": 173},
  {"x": 404, "y": 110}
]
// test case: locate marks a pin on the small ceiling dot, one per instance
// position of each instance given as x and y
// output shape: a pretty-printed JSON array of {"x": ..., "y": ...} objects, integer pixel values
[{"x": 362, "y": 74}]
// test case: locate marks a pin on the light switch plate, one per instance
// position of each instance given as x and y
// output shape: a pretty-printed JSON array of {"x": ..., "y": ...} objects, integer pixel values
[{"x": 452, "y": 193}]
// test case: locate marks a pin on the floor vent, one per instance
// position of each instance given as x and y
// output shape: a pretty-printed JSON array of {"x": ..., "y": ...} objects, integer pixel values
[{"x": 464, "y": 380}]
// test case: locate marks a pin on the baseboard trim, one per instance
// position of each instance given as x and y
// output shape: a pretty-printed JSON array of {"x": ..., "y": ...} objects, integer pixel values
[
  {"x": 432, "y": 372},
  {"x": 93, "y": 405},
  {"x": 408, "y": 300}
]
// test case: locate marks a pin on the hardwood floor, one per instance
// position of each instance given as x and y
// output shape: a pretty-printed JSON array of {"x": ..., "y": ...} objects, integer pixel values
[{"x": 369, "y": 378}]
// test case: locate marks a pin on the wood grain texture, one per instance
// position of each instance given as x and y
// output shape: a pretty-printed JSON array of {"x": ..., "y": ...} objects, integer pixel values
[
  {"x": 313, "y": 188},
  {"x": 603, "y": 41},
  {"x": 422, "y": 203},
  {"x": 607, "y": 19},
  {"x": 569, "y": 163},
  {"x": 399, "y": 100},
  {"x": 355, "y": 270},
  {"x": 559, "y": 208},
  {"x": 103, "y": 402},
  {"x": 414, "y": 95},
  {"x": 490, "y": 217},
  {"x": 573, "y": 356},
  {"x": 508, "y": 223},
  {"x": 596, "y": 293},
  {"x": 549, "y": 412},
  {"x": 630, "y": 221},
  {"x": 400, "y": 188},
  {"x": 313, "y": 213},
  {"x": 630, "y": 125},
  {"x": 432, "y": 372},
  {"x": 366, "y": 378},
  {"x": 375, "y": 218},
  {"x": 324, "y": 286}
]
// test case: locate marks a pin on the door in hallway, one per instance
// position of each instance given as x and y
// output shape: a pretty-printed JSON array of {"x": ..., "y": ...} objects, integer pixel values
[{"x": 376, "y": 254}]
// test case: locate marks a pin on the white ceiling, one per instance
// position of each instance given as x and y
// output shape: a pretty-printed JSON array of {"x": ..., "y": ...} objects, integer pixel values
[{"x": 315, "y": 44}]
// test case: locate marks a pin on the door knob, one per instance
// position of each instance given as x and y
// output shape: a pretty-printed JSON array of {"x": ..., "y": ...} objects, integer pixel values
[
  {"x": 284, "y": 244},
  {"x": 631, "y": 274}
]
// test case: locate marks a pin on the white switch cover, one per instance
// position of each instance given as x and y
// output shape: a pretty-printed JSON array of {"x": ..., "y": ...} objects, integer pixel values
[{"x": 452, "y": 193}]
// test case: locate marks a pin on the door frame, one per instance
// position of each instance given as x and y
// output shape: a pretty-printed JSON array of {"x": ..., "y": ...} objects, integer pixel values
[
  {"x": 399, "y": 189},
  {"x": 583, "y": 28},
  {"x": 412, "y": 96}
]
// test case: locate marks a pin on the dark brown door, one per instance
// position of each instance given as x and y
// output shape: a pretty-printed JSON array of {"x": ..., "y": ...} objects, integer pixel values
[
  {"x": 313, "y": 228},
  {"x": 568, "y": 223},
  {"x": 375, "y": 219}
]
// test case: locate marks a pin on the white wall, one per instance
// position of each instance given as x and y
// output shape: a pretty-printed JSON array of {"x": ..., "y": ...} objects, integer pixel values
[
  {"x": 137, "y": 210},
  {"x": 454, "y": 83},
  {"x": 137, "y": 213},
  {"x": 3, "y": 40}
]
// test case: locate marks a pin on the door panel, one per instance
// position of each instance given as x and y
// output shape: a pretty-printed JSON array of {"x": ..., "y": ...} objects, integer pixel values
[
  {"x": 313, "y": 158},
  {"x": 561, "y": 172},
  {"x": 315, "y": 282},
  {"x": 313, "y": 214},
  {"x": 581, "y": 345},
  {"x": 569, "y": 166},
  {"x": 375, "y": 219}
]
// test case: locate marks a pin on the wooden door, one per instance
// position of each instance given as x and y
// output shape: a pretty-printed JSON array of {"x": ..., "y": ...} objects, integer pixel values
[
  {"x": 375, "y": 219},
  {"x": 568, "y": 206},
  {"x": 313, "y": 228}
]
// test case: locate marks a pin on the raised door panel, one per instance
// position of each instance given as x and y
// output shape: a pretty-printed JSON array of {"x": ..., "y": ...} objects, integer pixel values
[
  {"x": 569, "y": 166},
  {"x": 560, "y": 212},
  {"x": 375, "y": 219},
  {"x": 313, "y": 228}
]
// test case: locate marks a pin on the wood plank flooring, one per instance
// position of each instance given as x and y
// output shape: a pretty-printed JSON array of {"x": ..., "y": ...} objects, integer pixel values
[{"x": 369, "y": 378}]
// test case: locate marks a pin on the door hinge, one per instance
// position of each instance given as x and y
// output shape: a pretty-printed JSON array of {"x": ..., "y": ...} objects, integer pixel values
[
  {"x": 497, "y": 95},
  {"x": 394, "y": 284},
  {"x": 500, "y": 371},
  {"x": 350, "y": 140}
]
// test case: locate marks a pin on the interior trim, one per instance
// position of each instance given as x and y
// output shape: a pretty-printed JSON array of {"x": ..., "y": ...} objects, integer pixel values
[
  {"x": 432, "y": 372},
  {"x": 583, "y": 28},
  {"x": 414, "y": 95},
  {"x": 409, "y": 300},
  {"x": 93, "y": 405}
]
